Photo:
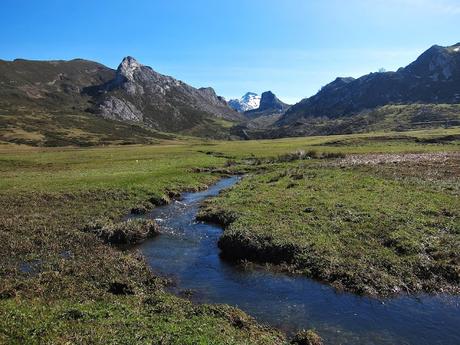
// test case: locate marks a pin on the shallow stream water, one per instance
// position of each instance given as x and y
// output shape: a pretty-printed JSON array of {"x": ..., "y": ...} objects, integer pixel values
[{"x": 187, "y": 252}]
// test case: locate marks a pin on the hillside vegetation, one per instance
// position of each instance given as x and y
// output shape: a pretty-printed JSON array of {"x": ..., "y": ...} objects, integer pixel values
[{"x": 388, "y": 118}]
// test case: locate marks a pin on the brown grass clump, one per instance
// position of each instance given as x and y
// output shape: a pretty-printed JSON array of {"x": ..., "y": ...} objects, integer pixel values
[
  {"x": 128, "y": 232},
  {"x": 307, "y": 338}
]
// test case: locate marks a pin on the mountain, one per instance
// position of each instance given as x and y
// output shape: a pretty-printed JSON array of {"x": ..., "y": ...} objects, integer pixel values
[
  {"x": 433, "y": 78},
  {"x": 269, "y": 105},
  {"x": 249, "y": 101},
  {"x": 138, "y": 93},
  {"x": 49, "y": 84},
  {"x": 262, "y": 119},
  {"x": 80, "y": 102}
]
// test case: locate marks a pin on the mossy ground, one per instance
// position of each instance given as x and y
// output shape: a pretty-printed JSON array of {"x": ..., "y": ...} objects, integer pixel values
[{"x": 60, "y": 284}]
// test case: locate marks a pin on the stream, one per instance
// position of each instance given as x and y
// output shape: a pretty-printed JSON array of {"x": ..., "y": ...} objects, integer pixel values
[{"x": 187, "y": 252}]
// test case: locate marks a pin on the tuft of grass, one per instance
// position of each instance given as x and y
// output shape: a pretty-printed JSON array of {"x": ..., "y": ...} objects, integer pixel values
[
  {"x": 131, "y": 231},
  {"x": 307, "y": 337}
]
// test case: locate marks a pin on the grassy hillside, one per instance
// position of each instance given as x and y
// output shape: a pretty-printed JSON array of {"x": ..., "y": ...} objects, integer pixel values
[
  {"x": 58, "y": 103},
  {"x": 31, "y": 126},
  {"x": 60, "y": 284},
  {"x": 386, "y": 118},
  {"x": 58, "y": 128}
]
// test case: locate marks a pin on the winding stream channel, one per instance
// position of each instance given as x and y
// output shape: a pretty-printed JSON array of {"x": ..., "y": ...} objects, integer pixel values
[{"x": 187, "y": 251}]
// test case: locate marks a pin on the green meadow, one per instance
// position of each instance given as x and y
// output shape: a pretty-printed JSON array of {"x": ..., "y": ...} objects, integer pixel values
[{"x": 371, "y": 213}]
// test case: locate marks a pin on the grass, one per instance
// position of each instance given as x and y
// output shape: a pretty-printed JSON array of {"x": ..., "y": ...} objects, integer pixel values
[
  {"x": 60, "y": 284},
  {"x": 376, "y": 229},
  {"x": 157, "y": 319},
  {"x": 49, "y": 264}
]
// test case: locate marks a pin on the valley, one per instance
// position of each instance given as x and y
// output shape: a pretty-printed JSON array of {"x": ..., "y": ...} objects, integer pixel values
[
  {"x": 216, "y": 173},
  {"x": 84, "y": 103},
  {"x": 323, "y": 195}
]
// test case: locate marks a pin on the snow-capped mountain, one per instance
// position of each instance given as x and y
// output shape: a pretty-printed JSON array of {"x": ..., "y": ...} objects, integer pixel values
[{"x": 249, "y": 101}]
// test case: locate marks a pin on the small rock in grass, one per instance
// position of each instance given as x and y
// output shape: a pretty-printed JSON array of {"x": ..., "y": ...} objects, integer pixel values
[
  {"x": 309, "y": 209},
  {"x": 297, "y": 176}
]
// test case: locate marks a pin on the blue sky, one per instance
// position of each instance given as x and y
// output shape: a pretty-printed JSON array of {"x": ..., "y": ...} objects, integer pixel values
[{"x": 291, "y": 47}]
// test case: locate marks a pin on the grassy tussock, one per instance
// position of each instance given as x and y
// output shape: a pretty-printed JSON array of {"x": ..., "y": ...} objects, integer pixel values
[{"x": 128, "y": 232}]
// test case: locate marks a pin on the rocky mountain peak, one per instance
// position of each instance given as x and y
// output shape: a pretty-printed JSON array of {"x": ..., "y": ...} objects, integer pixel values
[
  {"x": 249, "y": 101},
  {"x": 269, "y": 106},
  {"x": 437, "y": 63},
  {"x": 434, "y": 77},
  {"x": 127, "y": 67},
  {"x": 211, "y": 96},
  {"x": 209, "y": 91},
  {"x": 249, "y": 95},
  {"x": 270, "y": 101},
  {"x": 140, "y": 94}
]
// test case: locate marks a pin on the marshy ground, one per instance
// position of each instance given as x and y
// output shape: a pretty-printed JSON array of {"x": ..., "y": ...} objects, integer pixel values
[{"x": 377, "y": 215}]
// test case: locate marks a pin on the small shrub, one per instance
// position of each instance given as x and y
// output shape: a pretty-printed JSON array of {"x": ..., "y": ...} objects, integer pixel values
[
  {"x": 117, "y": 288},
  {"x": 313, "y": 154}
]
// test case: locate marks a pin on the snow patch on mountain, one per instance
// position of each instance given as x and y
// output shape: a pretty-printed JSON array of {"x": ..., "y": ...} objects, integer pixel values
[{"x": 249, "y": 101}]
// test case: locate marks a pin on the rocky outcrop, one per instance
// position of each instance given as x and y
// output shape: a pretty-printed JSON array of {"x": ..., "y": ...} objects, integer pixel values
[
  {"x": 118, "y": 109},
  {"x": 270, "y": 102},
  {"x": 138, "y": 93}
]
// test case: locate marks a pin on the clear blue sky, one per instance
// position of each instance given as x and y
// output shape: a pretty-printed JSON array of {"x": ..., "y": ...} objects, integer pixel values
[{"x": 291, "y": 47}]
